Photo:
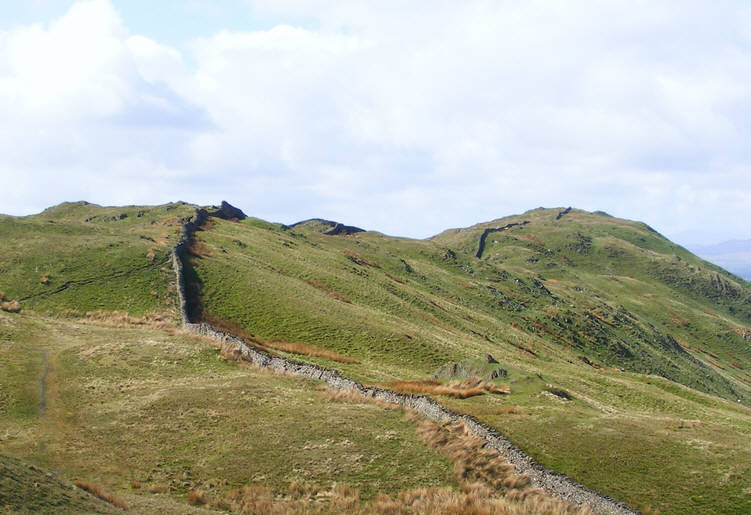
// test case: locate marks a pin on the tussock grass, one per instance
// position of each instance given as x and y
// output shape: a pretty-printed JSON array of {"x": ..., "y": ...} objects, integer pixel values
[
  {"x": 12, "y": 306},
  {"x": 484, "y": 474},
  {"x": 197, "y": 498},
  {"x": 353, "y": 397},
  {"x": 488, "y": 486},
  {"x": 118, "y": 319},
  {"x": 115, "y": 393},
  {"x": 470, "y": 387},
  {"x": 96, "y": 491}
]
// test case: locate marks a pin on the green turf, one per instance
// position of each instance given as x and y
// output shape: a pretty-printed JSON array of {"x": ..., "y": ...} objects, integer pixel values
[
  {"x": 135, "y": 410},
  {"x": 25, "y": 488},
  {"x": 561, "y": 303},
  {"x": 91, "y": 258},
  {"x": 652, "y": 345}
]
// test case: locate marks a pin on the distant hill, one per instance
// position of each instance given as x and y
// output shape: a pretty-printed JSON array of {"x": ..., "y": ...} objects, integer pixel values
[{"x": 733, "y": 255}]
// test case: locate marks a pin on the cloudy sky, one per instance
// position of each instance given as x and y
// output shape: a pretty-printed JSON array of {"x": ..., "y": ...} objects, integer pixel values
[{"x": 403, "y": 117}]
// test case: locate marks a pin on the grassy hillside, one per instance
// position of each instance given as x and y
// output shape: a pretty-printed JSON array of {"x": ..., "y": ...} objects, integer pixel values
[
  {"x": 81, "y": 257},
  {"x": 150, "y": 417},
  {"x": 639, "y": 301},
  {"x": 624, "y": 354},
  {"x": 621, "y": 344},
  {"x": 24, "y": 487}
]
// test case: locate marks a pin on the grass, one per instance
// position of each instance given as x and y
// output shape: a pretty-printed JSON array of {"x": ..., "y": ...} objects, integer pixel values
[
  {"x": 488, "y": 485},
  {"x": 456, "y": 389},
  {"x": 97, "y": 491},
  {"x": 304, "y": 349},
  {"x": 137, "y": 410},
  {"x": 631, "y": 353},
  {"x": 82, "y": 257},
  {"x": 605, "y": 347},
  {"x": 423, "y": 303},
  {"x": 25, "y": 488}
]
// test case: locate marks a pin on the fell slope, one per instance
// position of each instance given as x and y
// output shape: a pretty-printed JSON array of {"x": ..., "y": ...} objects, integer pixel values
[
  {"x": 150, "y": 416},
  {"x": 618, "y": 344},
  {"x": 26, "y": 488},
  {"x": 79, "y": 257},
  {"x": 639, "y": 301},
  {"x": 569, "y": 303}
]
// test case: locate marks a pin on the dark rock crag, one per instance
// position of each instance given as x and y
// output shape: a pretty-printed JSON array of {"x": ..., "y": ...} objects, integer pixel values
[{"x": 336, "y": 228}]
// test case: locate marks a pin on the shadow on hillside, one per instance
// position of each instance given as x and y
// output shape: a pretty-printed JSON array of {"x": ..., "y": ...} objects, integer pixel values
[{"x": 193, "y": 289}]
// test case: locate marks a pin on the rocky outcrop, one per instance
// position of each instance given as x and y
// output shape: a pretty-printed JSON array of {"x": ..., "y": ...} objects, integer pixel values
[
  {"x": 551, "y": 482},
  {"x": 488, "y": 370},
  {"x": 336, "y": 227},
  {"x": 227, "y": 211}
]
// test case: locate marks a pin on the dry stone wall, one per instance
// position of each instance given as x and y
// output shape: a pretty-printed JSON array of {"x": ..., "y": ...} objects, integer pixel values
[
  {"x": 558, "y": 485},
  {"x": 486, "y": 232}
]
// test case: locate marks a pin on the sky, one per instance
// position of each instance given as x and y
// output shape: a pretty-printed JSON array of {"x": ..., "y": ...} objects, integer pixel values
[{"x": 402, "y": 117}]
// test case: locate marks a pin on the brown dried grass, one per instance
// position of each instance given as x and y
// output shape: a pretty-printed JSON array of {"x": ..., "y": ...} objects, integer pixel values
[
  {"x": 354, "y": 397},
  {"x": 159, "y": 489},
  {"x": 96, "y": 491},
  {"x": 11, "y": 307},
  {"x": 488, "y": 486},
  {"x": 485, "y": 476},
  {"x": 458, "y": 389},
  {"x": 197, "y": 498},
  {"x": 305, "y": 349},
  {"x": 122, "y": 320},
  {"x": 315, "y": 283}
]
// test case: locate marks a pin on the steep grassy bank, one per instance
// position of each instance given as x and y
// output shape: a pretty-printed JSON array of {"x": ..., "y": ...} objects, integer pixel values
[{"x": 26, "y": 488}]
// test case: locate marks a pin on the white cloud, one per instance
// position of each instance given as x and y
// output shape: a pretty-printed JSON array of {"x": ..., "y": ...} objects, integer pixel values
[
  {"x": 81, "y": 98},
  {"x": 405, "y": 118}
]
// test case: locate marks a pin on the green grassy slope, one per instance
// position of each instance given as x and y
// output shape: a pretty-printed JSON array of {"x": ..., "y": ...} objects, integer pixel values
[
  {"x": 415, "y": 305},
  {"x": 639, "y": 301},
  {"x": 81, "y": 257},
  {"x": 562, "y": 302},
  {"x": 650, "y": 344},
  {"x": 26, "y": 488},
  {"x": 137, "y": 411}
]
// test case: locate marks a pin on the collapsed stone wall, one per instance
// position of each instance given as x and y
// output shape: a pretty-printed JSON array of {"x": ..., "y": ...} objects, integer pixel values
[{"x": 553, "y": 483}]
